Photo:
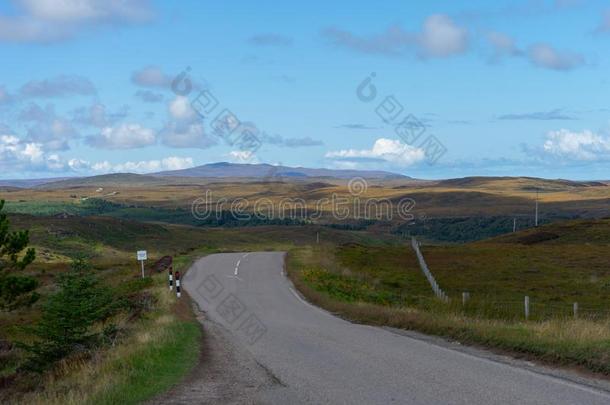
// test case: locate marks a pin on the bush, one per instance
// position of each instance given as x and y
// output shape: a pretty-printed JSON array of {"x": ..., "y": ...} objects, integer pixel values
[
  {"x": 16, "y": 291},
  {"x": 68, "y": 317},
  {"x": 14, "y": 255}
]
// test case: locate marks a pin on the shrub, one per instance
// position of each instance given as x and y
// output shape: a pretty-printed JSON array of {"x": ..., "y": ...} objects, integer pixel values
[
  {"x": 68, "y": 317},
  {"x": 14, "y": 255}
]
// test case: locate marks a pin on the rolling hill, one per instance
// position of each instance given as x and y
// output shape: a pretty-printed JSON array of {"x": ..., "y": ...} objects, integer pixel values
[{"x": 224, "y": 169}]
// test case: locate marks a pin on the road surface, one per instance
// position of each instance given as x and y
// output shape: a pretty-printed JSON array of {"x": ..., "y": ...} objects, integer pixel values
[{"x": 311, "y": 356}]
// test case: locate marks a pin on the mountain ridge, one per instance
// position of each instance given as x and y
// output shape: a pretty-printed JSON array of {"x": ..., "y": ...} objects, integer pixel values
[{"x": 264, "y": 170}]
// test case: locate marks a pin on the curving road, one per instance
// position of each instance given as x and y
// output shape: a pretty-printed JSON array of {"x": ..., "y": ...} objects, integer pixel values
[{"x": 314, "y": 357}]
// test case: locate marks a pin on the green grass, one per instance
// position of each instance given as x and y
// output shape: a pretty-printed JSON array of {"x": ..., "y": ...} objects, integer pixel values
[
  {"x": 555, "y": 265},
  {"x": 154, "y": 368},
  {"x": 561, "y": 341},
  {"x": 384, "y": 275},
  {"x": 155, "y": 350}
]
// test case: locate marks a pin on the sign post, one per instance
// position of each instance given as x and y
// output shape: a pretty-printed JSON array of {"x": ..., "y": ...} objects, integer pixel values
[{"x": 141, "y": 254}]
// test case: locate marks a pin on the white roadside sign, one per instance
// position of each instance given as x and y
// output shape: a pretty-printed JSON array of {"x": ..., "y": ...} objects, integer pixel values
[{"x": 141, "y": 254}]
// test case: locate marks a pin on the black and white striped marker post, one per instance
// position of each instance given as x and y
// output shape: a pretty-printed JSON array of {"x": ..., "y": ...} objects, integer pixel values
[
  {"x": 171, "y": 279},
  {"x": 178, "y": 284}
]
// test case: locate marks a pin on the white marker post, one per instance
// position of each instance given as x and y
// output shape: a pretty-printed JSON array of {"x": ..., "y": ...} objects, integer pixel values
[{"x": 141, "y": 254}]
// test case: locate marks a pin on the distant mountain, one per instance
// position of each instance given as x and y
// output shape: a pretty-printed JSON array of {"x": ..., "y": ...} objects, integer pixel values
[
  {"x": 104, "y": 180},
  {"x": 29, "y": 183},
  {"x": 187, "y": 176},
  {"x": 523, "y": 183},
  {"x": 224, "y": 169}
]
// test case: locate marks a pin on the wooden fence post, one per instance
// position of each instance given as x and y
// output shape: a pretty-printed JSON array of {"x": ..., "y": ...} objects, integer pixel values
[{"x": 575, "y": 310}]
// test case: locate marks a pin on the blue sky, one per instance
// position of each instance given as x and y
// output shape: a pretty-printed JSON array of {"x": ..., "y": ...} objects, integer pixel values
[{"x": 502, "y": 88}]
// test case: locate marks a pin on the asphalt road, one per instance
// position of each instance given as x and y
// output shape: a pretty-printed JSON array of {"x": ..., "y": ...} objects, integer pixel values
[{"x": 315, "y": 357}]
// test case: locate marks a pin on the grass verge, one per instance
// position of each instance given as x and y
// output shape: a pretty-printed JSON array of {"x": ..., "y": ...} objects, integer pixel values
[
  {"x": 567, "y": 342},
  {"x": 155, "y": 352}
]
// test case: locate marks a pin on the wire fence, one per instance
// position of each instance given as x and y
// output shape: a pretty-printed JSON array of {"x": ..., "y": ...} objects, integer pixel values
[
  {"x": 528, "y": 308},
  {"x": 424, "y": 268},
  {"x": 512, "y": 309}
]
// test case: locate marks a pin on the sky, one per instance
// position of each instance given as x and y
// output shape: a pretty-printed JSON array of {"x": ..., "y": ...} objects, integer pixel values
[{"x": 437, "y": 90}]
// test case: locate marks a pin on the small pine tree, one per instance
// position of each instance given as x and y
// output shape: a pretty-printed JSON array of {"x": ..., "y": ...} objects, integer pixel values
[
  {"x": 68, "y": 317},
  {"x": 14, "y": 289}
]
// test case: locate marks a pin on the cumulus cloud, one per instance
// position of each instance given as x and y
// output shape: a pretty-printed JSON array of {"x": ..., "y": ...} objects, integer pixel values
[
  {"x": 178, "y": 134},
  {"x": 545, "y": 56},
  {"x": 144, "y": 166},
  {"x": 59, "y": 86},
  {"x": 242, "y": 156},
  {"x": 185, "y": 128},
  {"x": 270, "y": 39},
  {"x": 442, "y": 37},
  {"x": 439, "y": 37},
  {"x": 18, "y": 155},
  {"x": 45, "y": 127},
  {"x": 97, "y": 115},
  {"x": 503, "y": 45},
  {"x": 151, "y": 76},
  {"x": 384, "y": 150},
  {"x": 123, "y": 136},
  {"x": 66, "y": 11},
  {"x": 582, "y": 146},
  {"x": 541, "y": 54},
  {"x": 45, "y": 21},
  {"x": 180, "y": 109}
]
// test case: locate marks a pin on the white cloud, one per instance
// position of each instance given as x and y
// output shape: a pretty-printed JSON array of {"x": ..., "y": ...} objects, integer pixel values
[
  {"x": 584, "y": 146},
  {"x": 185, "y": 128},
  {"x": 17, "y": 155},
  {"x": 180, "y": 109},
  {"x": 32, "y": 151},
  {"x": 144, "y": 166},
  {"x": 242, "y": 156},
  {"x": 540, "y": 54},
  {"x": 44, "y": 126},
  {"x": 503, "y": 45},
  {"x": 20, "y": 156},
  {"x": 124, "y": 136},
  {"x": 441, "y": 37},
  {"x": 59, "y": 86},
  {"x": 78, "y": 164},
  {"x": 186, "y": 135},
  {"x": 151, "y": 76},
  {"x": 384, "y": 150},
  {"x": 97, "y": 115},
  {"x": 53, "y": 20},
  {"x": 544, "y": 55},
  {"x": 87, "y": 10}
]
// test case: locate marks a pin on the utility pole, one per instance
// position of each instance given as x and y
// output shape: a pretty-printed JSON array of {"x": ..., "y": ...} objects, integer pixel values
[
  {"x": 536, "y": 220},
  {"x": 514, "y": 225}
]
